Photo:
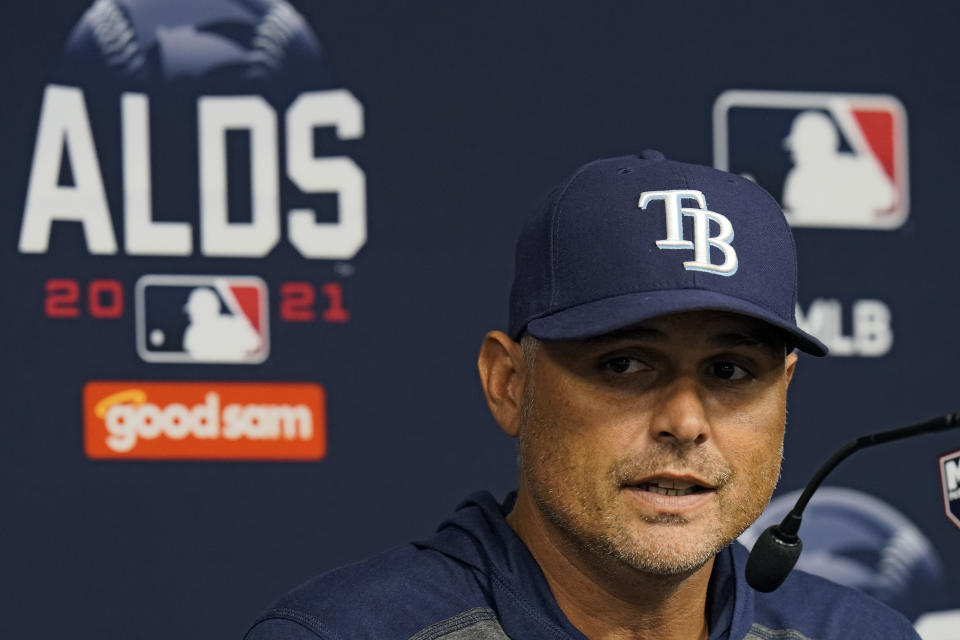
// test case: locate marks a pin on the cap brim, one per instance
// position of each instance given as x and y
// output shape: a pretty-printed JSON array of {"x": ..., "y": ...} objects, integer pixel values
[{"x": 609, "y": 314}]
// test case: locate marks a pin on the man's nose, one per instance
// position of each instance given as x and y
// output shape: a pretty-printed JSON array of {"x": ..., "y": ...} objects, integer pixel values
[{"x": 681, "y": 418}]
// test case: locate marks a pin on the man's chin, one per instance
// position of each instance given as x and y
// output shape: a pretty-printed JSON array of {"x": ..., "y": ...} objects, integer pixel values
[
  {"x": 669, "y": 546},
  {"x": 669, "y": 564}
]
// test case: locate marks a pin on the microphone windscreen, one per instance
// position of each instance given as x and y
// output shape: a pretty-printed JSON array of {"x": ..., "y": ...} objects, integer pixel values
[{"x": 771, "y": 559}]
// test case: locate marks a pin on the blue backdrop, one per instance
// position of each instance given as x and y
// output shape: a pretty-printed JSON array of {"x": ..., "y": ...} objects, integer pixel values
[{"x": 346, "y": 180}]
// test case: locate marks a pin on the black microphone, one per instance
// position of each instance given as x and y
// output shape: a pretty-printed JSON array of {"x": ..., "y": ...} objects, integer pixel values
[{"x": 778, "y": 548}]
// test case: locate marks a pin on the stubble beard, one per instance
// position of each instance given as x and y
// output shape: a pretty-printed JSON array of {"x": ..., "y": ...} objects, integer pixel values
[{"x": 589, "y": 519}]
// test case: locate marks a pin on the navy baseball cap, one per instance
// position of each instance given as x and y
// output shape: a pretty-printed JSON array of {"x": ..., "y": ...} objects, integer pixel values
[{"x": 627, "y": 239}]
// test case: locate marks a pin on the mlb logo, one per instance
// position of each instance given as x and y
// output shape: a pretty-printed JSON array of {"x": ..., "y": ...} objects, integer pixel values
[
  {"x": 830, "y": 159},
  {"x": 202, "y": 319},
  {"x": 950, "y": 479}
]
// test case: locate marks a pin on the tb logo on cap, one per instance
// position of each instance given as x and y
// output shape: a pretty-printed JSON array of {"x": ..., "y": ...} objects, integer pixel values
[{"x": 702, "y": 240}]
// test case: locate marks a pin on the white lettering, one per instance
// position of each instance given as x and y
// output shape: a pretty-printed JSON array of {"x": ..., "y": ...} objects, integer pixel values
[
  {"x": 177, "y": 421},
  {"x": 127, "y": 423},
  {"x": 64, "y": 133},
  {"x": 871, "y": 328},
  {"x": 824, "y": 319},
  {"x": 702, "y": 240},
  {"x": 951, "y": 472},
  {"x": 206, "y": 418},
  {"x": 673, "y": 205},
  {"x": 340, "y": 175},
  {"x": 871, "y": 323},
  {"x": 150, "y": 423},
  {"x": 220, "y": 237},
  {"x": 119, "y": 422},
  {"x": 143, "y": 236},
  {"x": 267, "y": 422}
]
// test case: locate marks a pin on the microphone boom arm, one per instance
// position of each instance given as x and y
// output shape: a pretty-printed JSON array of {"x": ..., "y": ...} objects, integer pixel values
[
  {"x": 940, "y": 423},
  {"x": 777, "y": 549}
]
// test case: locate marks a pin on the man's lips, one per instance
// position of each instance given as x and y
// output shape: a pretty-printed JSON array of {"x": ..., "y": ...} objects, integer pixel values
[
  {"x": 671, "y": 493},
  {"x": 671, "y": 484}
]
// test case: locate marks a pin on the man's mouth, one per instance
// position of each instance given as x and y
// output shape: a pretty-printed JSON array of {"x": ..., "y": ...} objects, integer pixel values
[{"x": 671, "y": 486}]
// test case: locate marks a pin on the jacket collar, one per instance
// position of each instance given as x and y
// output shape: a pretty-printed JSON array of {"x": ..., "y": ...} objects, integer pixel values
[{"x": 478, "y": 535}]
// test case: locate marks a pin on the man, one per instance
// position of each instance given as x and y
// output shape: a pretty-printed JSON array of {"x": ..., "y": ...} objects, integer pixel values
[{"x": 645, "y": 372}]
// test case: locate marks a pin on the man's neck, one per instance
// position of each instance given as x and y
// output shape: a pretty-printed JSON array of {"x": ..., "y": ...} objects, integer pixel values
[{"x": 607, "y": 600}]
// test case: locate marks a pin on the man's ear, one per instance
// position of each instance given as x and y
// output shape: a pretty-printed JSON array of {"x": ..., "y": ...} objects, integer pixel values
[
  {"x": 502, "y": 374},
  {"x": 791, "y": 365}
]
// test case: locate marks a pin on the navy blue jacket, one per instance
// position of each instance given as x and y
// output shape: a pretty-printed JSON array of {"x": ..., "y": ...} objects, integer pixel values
[{"x": 475, "y": 579}]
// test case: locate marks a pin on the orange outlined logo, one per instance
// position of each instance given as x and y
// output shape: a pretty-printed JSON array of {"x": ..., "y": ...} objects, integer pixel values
[{"x": 204, "y": 420}]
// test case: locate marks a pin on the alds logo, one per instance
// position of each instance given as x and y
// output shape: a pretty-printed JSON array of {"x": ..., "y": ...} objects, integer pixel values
[
  {"x": 195, "y": 130},
  {"x": 204, "y": 420},
  {"x": 176, "y": 83}
]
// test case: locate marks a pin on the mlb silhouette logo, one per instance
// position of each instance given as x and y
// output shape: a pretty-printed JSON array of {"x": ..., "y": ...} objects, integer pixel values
[
  {"x": 830, "y": 159},
  {"x": 950, "y": 479},
  {"x": 202, "y": 319}
]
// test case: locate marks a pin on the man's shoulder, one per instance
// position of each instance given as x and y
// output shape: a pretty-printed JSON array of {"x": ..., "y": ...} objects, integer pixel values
[
  {"x": 814, "y": 607},
  {"x": 806, "y": 607},
  {"x": 394, "y": 594}
]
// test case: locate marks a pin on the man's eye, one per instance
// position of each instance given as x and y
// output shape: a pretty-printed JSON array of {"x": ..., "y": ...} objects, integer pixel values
[
  {"x": 624, "y": 364},
  {"x": 728, "y": 371}
]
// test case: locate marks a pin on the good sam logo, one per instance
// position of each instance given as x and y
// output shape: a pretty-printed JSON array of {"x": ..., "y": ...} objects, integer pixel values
[{"x": 204, "y": 420}]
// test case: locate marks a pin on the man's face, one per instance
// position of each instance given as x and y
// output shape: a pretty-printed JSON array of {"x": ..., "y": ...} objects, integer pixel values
[{"x": 656, "y": 446}]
